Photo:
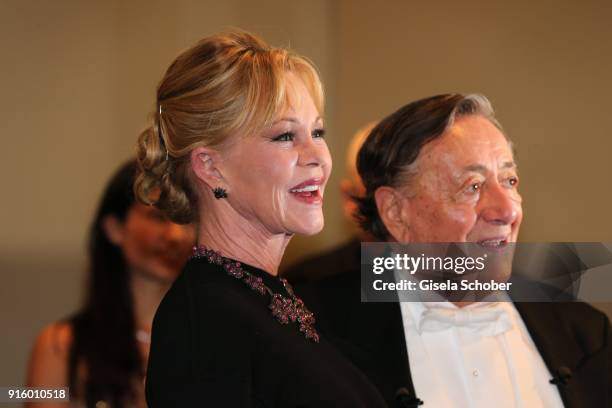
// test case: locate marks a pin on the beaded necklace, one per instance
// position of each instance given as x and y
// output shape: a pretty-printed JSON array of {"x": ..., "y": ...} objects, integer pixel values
[{"x": 284, "y": 309}]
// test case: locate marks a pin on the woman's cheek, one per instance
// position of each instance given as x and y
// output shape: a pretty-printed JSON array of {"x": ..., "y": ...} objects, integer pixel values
[{"x": 279, "y": 206}]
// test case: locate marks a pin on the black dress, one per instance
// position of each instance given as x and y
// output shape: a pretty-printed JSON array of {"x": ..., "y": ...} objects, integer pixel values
[{"x": 215, "y": 343}]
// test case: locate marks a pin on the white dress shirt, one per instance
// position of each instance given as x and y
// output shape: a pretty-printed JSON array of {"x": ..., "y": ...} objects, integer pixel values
[{"x": 480, "y": 355}]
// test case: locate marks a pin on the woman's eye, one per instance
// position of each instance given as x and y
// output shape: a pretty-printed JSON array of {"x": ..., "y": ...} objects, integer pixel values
[
  {"x": 285, "y": 137},
  {"x": 318, "y": 133}
]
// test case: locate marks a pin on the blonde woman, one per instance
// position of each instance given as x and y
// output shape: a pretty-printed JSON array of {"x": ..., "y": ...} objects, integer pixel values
[{"x": 238, "y": 146}]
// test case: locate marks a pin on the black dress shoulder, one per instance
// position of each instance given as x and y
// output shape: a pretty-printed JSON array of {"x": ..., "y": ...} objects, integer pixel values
[{"x": 215, "y": 343}]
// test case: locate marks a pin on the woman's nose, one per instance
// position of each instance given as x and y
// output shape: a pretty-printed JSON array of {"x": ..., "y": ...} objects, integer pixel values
[{"x": 314, "y": 153}]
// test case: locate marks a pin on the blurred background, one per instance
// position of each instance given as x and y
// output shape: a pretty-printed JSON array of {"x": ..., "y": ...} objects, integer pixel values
[{"x": 77, "y": 81}]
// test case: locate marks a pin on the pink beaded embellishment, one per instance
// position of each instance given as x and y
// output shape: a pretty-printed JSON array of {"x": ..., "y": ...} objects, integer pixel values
[{"x": 285, "y": 309}]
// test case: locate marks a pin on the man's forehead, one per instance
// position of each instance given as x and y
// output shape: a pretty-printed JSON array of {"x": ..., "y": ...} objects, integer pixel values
[
  {"x": 480, "y": 168},
  {"x": 472, "y": 142}
]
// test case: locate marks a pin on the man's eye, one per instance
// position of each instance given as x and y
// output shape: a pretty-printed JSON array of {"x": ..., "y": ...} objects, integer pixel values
[
  {"x": 512, "y": 181},
  {"x": 474, "y": 187},
  {"x": 285, "y": 137},
  {"x": 318, "y": 133}
]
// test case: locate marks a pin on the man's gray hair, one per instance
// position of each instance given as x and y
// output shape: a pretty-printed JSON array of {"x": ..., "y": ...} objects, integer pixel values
[{"x": 475, "y": 104}]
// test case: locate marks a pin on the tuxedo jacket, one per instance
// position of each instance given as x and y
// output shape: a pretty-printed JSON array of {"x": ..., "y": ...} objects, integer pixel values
[{"x": 573, "y": 338}]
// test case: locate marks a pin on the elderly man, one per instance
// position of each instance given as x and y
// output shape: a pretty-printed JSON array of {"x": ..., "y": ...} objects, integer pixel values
[{"x": 441, "y": 170}]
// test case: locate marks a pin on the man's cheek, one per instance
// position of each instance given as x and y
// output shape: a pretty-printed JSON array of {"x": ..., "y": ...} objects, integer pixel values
[{"x": 462, "y": 220}]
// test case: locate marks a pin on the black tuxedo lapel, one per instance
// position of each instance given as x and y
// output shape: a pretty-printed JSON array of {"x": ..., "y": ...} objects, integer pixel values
[
  {"x": 378, "y": 333},
  {"x": 558, "y": 344}
]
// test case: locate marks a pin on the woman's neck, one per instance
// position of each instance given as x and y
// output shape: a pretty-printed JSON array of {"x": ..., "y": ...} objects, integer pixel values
[{"x": 237, "y": 238}]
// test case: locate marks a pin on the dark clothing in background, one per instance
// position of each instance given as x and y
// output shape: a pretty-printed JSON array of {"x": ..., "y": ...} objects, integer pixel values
[
  {"x": 339, "y": 260},
  {"x": 215, "y": 343}
]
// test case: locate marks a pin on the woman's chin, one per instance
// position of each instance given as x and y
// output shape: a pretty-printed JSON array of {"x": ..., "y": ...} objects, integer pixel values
[{"x": 309, "y": 228}]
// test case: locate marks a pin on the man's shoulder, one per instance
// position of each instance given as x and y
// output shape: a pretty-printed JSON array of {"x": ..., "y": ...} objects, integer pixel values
[
  {"x": 583, "y": 317},
  {"x": 576, "y": 313},
  {"x": 588, "y": 326}
]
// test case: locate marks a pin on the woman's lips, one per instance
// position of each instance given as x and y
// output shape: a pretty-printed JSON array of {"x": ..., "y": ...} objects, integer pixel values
[{"x": 308, "y": 191}]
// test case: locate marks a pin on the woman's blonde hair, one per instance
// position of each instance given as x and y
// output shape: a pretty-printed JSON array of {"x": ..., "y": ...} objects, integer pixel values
[{"x": 227, "y": 85}]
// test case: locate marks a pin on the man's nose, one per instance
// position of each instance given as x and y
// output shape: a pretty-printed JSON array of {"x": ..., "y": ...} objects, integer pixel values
[{"x": 499, "y": 205}]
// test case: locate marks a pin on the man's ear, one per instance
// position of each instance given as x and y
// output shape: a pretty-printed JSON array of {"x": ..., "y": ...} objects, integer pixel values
[
  {"x": 391, "y": 209},
  {"x": 204, "y": 163},
  {"x": 113, "y": 228}
]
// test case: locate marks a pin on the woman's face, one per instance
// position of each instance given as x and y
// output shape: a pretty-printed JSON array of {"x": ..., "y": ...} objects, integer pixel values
[
  {"x": 277, "y": 178},
  {"x": 152, "y": 245}
]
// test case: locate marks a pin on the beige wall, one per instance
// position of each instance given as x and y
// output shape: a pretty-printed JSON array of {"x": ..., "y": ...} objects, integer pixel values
[{"x": 78, "y": 78}]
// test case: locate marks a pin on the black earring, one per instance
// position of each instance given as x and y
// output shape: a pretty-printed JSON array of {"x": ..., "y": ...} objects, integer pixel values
[{"x": 219, "y": 192}]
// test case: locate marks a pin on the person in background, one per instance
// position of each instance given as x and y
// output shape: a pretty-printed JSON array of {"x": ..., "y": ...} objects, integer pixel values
[
  {"x": 238, "y": 146},
  {"x": 346, "y": 256},
  {"x": 101, "y": 352},
  {"x": 440, "y": 169}
]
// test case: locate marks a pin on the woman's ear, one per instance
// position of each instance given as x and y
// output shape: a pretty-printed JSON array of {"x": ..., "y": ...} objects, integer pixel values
[
  {"x": 113, "y": 228},
  {"x": 204, "y": 163},
  {"x": 391, "y": 209}
]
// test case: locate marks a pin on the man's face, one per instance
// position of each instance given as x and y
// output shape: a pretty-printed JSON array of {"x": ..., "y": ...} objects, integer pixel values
[{"x": 465, "y": 188}]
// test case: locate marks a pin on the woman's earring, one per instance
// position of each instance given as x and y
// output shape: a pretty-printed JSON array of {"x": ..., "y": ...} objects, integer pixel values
[{"x": 219, "y": 192}]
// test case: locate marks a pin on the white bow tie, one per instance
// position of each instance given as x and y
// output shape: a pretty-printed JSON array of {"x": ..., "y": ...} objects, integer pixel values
[{"x": 485, "y": 321}]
